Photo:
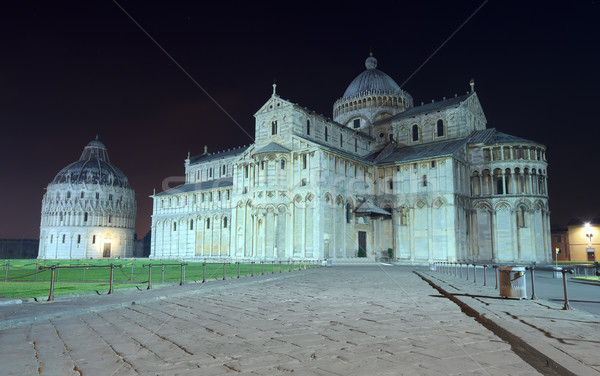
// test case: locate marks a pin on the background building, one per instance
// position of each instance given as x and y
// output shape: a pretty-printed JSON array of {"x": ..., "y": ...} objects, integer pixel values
[
  {"x": 430, "y": 182},
  {"x": 88, "y": 210}
]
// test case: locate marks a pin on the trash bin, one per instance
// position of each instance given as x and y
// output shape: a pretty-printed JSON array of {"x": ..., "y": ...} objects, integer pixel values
[
  {"x": 512, "y": 282},
  {"x": 329, "y": 263},
  {"x": 557, "y": 272}
]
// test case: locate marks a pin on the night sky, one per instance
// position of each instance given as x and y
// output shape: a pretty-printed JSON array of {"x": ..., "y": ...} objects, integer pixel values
[{"x": 71, "y": 70}]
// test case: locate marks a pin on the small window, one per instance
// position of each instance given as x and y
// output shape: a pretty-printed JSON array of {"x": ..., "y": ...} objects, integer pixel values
[
  {"x": 304, "y": 162},
  {"x": 207, "y": 223},
  {"x": 224, "y": 172},
  {"x": 82, "y": 194},
  {"x": 68, "y": 194},
  {"x": 283, "y": 164},
  {"x": 326, "y": 134},
  {"x": 225, "y": 222},
  {"x": 109, "y": 197},
  {"x": 274, "y": 128},
  {"x": 341, "y": 140},
  {"x": 303, "y": 182},
  {"x": 348, "y": 213},
  {"x": 424, "y": 180},
  {"x": 262, "y": 165},
  {"x": 246, "y": 172},
  {"x": 94, "y": 239},
  {"x": 432, "y": 164},
  {"x": 97, "y": 196},
  {"x": 355, "y": 145},
  {"x": 51, "y": 238},
  {"x": 219, "y": 195},
  {"x": 308, "y": 127},
  {"x": 85, "y": 217},
  {"x": 210, "y": 172},
  {"x": 174, "y": 226},
  {"x": 440, "y": 128},
  {"x": 78, "y": 239},
  {"x": 415, "y": 133},
  {"x": 191, "y": 224},
  {"x": 558, "y": 238},
  {"x": 356, "y": 123},
  {"x": 227, "y": 194},
  {"x": 381, "y": 135},
  {"x": 390, "y": 184},
  {"x": 110, "y": 219},
  {"x": 64, "y": 238}
]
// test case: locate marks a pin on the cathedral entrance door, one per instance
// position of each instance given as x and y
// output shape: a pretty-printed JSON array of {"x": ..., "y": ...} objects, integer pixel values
[
  {"x": 106, "y": 250},
  {"x": 362, "y": 240}
]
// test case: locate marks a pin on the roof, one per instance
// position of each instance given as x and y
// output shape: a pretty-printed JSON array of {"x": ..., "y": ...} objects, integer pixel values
[
  {"x": 93, "y": 167},
  {"x": 432, "y": 107},
  {"x": 372, "y": 80},
  {"x": 491, "y": 136},
  {"x": 200, "y": 186},
  {"x": 207, "y": 157},
  {"x": 272, "y": 148},
  {"x": 367, "y": 207},
  {"x": 417, "y": 152}
]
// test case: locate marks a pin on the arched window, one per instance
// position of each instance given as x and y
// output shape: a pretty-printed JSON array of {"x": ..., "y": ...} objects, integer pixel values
[
  {"x": 224, "y": 170},
  {"x": 225, "y": 222},
  {"x": 304, "y": 162},
  {"x": 68, "y": 194},
  {"x": 308, "y": 127},
  {"x": 326, "y": 134},
  {"x": 283, "y": 164},
  {"x": 51, "y": 238},
  {"x": 94, "y": 239},
  {"x": 415, "y": 133},
  {"x": 82, "y": 194},
  {"x": 440, "y": 128},
  {"x": 97, "y": 196},
  {"x": 390, "y": 184},
  {"x": 174, "y": 226},
  {"x": 64, "y": 238},
  {"x": 207, "y": 222},
  {"x": 191, "y": 224},
  {"x": 348, "y": 213},
  {"x": 356, "y": 145},
  {"x": 274, "y": 128},
  {"x": 341, "y": 140},
  {"x": 85, "y": 217},
  {"x": 78, "y": 239}
]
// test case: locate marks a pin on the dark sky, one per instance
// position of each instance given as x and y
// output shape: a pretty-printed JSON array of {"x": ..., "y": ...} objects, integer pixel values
[{"x": 71, "y": 70}]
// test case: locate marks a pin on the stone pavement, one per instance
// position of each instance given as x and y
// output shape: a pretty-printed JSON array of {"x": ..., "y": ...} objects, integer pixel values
[
  {"x": 350, "y": 320},
  {"x": 567, "y": 340}
]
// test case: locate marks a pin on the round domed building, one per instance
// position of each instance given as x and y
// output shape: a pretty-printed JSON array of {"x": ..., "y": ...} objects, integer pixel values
[{"x": 88, "y": 210}]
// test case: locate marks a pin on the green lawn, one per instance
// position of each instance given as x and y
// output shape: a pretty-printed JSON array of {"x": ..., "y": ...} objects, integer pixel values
[{"x": 23, "y": 278}]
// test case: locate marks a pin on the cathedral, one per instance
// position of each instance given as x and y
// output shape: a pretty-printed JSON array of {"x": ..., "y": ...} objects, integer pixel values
[
  {"x": 431, "y": 182},
  {"x": 88, "y": 210}
]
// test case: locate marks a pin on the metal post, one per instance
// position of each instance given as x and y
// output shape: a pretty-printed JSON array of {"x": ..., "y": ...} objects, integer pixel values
[
  {"x": 83, "y": 274},
  {"x": 182, "y": 275},
  {"x": 224, "y": 270},
  {"x": 238, "y": 269},
  {"x": 149, "y": 277},
  {"x": 262, "y": 266},
  {"x": 163, "y": 273},
  {"x": 203, "y": 272},
  {"x": 279, "y": 266},
  {"x": 272, "y": 267},
  {"x": 6, "y": 266},
  {"x": 57, "y": 271},
  {"x": 290, "y": 269},
  {"x": 467, "y": 271},
  {"x": 131, "y": 278},
  {"x": 36, "y": 271},
  {"x": 566, "y": 306},
  {"x": 533, "y": 297},
  {"x": 460, "y": 269},
  {"x": 110, "y": 289},
  {"x": 484, "y": 275},
  {"x": 496, "y": 273},
  {"x": 474, "y": 273},
  {"x": 51, "y": 296},
  {"x": 252, "y": 269}
]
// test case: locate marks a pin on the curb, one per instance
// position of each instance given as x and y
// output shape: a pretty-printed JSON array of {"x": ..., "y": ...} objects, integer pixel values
[{"x": 551, "y": 356}]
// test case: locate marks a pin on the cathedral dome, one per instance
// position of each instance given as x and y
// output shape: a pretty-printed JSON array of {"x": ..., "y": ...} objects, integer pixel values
[
  {"x": 372, "y": 80},
  {"x": 93, "y": 167}
]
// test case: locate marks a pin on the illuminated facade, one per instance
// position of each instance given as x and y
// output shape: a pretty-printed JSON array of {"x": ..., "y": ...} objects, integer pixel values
[
  {"x": 431, "y": 182},
  {"x": 88, "y": 210}
]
